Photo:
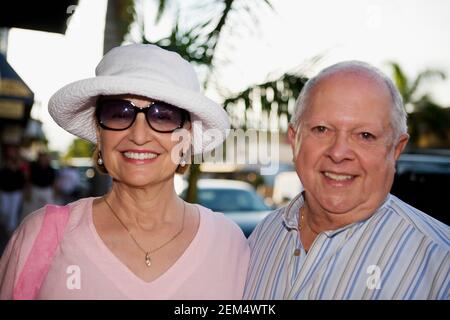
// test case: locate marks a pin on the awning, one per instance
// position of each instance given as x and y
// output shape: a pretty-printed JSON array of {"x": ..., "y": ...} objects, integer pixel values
[
  {"x": 16, "y": 98},
  {"x": 50, "y": 16}
]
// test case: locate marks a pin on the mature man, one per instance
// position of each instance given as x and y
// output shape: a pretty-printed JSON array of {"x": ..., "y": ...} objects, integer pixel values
[{"x": 344, "y": 236}]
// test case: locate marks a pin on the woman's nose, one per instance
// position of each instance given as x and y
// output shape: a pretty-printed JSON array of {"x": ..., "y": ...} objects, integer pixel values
[{"x": 140, "y": 132}]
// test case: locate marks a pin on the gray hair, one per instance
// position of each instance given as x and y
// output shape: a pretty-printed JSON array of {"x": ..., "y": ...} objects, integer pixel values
[{"x": 398, "y": 114}]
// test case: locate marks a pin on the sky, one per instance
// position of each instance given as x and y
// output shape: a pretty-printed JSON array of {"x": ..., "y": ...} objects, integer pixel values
[{"x": 414, "y": 33}]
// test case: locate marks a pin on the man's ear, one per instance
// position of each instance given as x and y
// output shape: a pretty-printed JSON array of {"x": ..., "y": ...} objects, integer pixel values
[
  {"x": 400, "y": 145},
  {"x": 291, "y": 136},
  {"x": 293, "y": 141}
]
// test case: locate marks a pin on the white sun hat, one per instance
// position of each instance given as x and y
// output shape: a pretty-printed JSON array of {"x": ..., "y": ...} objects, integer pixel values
[{"x": 146, "y": 70}]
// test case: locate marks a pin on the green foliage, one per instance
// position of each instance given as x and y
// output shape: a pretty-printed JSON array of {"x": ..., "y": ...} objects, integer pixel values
[
  {"x": 190, "y": 44},
  {"x": 162, "y": 5},
  {"x": 282, "y": 90},
  {"x": 197, "y": 41},
  {"x": 125, "y": 14},
  {"x": 196, "y": 44},
  {"x": 79, "y": 148},
  {"x": 427, "y": 117},
  {"x": 407, "y": 87}
]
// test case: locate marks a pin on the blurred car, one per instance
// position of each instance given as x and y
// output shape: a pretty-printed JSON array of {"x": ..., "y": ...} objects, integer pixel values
[
  {"x": 236, "y": 199},
  {"x": 85, "y": 170},
  {"x": 423, "y": 181},
  {"x": 286, "y": 186}
]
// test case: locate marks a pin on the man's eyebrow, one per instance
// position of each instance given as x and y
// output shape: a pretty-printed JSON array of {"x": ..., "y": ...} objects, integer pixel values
[{"x": 371, "y": 125}]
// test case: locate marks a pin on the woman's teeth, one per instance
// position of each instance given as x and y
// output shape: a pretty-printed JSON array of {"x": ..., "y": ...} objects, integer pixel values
[{"x": 140, "y": 155}]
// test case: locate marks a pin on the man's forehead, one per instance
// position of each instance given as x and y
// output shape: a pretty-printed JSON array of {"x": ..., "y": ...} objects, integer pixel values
[
  {"x": 350, "y": 94},
  {"x": 347, "y": 85},
  {"x": 356, "y": 77}
]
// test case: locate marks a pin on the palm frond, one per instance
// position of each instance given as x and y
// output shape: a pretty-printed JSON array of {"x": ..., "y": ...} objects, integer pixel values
[
  {"x": 281, "y": 92},
  {"x": 162, "y": 5},
  {"x": 427, "y": 74},
  {"x": 401, "y": 81}
]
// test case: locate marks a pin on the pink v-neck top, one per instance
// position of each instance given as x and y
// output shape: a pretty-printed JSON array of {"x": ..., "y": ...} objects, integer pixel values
[{"x": 214, "y": 265}]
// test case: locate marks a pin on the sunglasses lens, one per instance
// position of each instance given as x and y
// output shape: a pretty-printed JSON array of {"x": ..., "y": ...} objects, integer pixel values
[
  {"x": 116, "y": 114},
  {"x": 165, "y": 117}
]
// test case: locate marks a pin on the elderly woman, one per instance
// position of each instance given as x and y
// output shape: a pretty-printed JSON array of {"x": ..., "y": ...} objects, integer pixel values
[{"x": 140, "y": 240}]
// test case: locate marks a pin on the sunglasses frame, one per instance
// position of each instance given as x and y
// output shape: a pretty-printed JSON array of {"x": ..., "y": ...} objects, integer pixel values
[{"x": 184, "y": 114}]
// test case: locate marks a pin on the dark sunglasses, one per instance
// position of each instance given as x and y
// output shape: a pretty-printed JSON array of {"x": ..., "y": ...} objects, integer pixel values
[{"x": 118, "y": 114}]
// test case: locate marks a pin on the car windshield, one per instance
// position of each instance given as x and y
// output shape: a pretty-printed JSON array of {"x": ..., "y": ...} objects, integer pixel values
[{"x": 229, "y": 200}]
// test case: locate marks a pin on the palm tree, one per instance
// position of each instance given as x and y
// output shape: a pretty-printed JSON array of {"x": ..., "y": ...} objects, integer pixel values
[
  {"x": 198, "y": 42},
  {"x": 279, "y": 94},
  {"x": 407, "y": 87},
  {"x": 119, "y": 16},
  {"x": 426, "y": 118},
  {"x": 429, "y": 125}
]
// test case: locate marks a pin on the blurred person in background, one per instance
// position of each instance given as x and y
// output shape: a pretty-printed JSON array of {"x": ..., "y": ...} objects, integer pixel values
[
  {"x": 12, "y": 183},
  {"x": 40, "y": 186},
  {"x": 67, "y": 183}
]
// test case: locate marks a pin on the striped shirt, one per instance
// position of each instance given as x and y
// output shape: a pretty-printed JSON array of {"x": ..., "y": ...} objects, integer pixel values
[{"x": 397, "y": 253}]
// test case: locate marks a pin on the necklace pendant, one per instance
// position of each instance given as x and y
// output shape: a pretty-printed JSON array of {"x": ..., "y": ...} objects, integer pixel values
[{"x": 148, "y": 262}]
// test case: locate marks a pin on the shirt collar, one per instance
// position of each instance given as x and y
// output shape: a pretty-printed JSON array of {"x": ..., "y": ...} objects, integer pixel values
[{"x": 291, "y": 213}]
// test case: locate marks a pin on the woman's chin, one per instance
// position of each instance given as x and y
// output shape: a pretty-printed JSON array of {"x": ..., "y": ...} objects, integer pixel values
[{"x": 141, "y": 181}]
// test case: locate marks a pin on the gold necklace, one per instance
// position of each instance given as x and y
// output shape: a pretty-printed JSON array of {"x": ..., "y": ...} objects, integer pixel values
[
  {"x": 301, "y": 224},
  {"x": 147, "y": 253}
]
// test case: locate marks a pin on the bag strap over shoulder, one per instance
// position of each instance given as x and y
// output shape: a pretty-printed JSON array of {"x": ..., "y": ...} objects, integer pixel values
[{"x": 44, "y": 248}]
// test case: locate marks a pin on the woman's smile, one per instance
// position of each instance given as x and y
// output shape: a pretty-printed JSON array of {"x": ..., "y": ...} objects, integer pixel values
[{"x": 139, "y": 156}]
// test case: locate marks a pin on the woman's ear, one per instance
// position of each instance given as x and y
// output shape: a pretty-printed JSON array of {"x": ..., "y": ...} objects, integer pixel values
[
  {"x": 187, "y": 124},
  {"x": 97, "y": 135}
]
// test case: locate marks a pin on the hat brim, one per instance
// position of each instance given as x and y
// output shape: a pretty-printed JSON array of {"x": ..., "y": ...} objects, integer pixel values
[{"x": 72, "y": 107}]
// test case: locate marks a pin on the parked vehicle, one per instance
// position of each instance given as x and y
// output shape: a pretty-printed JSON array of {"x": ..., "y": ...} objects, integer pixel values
[
  {"x": 286, "y": 186},
  {"x": 236, "y": 199},
  {"x": 423, "y": 181}
]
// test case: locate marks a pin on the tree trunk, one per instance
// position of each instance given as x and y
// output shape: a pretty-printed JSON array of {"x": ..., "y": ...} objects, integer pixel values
[
  {"x": 194, "y": 174},
  {"x": 113, "y": 37}
]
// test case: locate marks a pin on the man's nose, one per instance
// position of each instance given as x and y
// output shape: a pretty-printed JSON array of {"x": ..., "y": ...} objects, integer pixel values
[{"x": 340, "y": 148}]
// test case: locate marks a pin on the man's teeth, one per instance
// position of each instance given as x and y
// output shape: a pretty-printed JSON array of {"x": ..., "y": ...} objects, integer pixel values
[
  {"x": 140, "y": 155},
  {"x": 338, "y": 177}
]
